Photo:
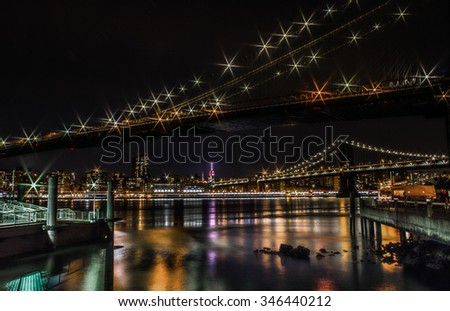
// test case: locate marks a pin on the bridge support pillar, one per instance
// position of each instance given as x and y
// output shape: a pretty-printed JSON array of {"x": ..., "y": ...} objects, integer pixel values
[
  {"x": 352, "y": 214},
  {"x": 402, "y": 237},
  {"x": 352, "y": 184},
  {"x": 109, "y": 251},
  {"x": 343, "y": 187},
  {"x": 20, "y": 193},
  {"x": 363, "y": 226},
  {"x": 52, "y": 209},
  {"x": 110, "y": 202},
  {"x": 110, "y": 210},
  {"x": 371, "y": 226},
  {"x": 347, "y": 186},
  {"x": 429, "y": 208},
  {"x": 379, "y": 236}
]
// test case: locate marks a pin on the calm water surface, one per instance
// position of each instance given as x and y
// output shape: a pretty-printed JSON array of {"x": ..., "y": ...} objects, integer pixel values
[{"x": 208, "y": 245}]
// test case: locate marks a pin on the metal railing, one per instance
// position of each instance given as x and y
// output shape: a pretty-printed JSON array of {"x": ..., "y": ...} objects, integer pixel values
[
  {"x": 427, "y": 208},
  {"x": 18, "y": 213}
]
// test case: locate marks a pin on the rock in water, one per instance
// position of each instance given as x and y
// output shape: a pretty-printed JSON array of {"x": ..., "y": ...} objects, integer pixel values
[
  {"x": 285, "y": 248},
  {"x": 323, "y": 250},
  {"x": 299, "y": 252}
]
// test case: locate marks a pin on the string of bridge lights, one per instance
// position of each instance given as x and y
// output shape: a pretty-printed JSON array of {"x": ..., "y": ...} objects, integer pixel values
[
  {"x": 284, "y": 57},
  {"x": 295, "y": 67},
  {"x": 395, "y": 152},
  {"x": 331, "y": 149},
  {"x": 230, "y": 64}
]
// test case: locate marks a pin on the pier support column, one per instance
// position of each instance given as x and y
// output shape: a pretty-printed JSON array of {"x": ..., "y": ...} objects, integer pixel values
[
  {"x": 363, "y": 227},
  {"x": 52, "y": 209},
  {"x": 20, "y": 193},
  {"x": 402, "y": 237},
  {"x": 110, "y": 202},
  {"x": 429, "y": 208},
  {"x": 352, "y": 213},
  {"x": 343, "y": 187},
  {"x": 379, "y": 236},
  {"x": 371, "y": 229},
  {"x": 110, "y": 211},
  {"x": 109, "y": 251}
]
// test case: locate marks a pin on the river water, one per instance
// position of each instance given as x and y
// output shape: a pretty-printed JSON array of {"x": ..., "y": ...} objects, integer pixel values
[{"x": 209, "y": 245}]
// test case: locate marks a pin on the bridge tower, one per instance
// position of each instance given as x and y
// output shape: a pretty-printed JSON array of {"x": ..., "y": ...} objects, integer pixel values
[{"x": 347, "y": 185}]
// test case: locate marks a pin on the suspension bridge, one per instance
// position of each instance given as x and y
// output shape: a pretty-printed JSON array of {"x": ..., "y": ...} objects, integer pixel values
[
  {"x": 354, "y": 159},
  {"x": 232, "y": 102}
]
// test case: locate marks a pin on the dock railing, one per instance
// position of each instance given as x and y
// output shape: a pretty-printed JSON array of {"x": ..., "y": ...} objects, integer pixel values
[{"x": 19, "y": 213}]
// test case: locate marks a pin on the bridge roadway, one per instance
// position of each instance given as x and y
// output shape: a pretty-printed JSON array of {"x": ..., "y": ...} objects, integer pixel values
[
  {"x": 303, "y": 108},
  {"x": 339, "y": 171}
]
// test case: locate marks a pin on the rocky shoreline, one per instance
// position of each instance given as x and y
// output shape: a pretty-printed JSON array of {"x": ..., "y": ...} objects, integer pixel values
[
  {"x": 411, "y": 254},
  {"x": 416, "y": 254},
  {"x": 300, "y": 252}
]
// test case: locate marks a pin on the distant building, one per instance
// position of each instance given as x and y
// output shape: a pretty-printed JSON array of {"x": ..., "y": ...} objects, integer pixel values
[
  {"x": 133, "y": 184},
  {"x": 10, "y": 177},
  {"x": 119, "y": 181},
  {"x": 66, "y": 181},
  {"x": 6, "y": 180},
  {"x": 141, "y": 166}
]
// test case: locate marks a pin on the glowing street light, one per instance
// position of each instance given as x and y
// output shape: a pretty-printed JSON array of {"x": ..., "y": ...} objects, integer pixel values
[
  {"x": 401, "y": 14},
  {"x": 377, "y": 26},
  {"x": 182, "y": 89},
  {"x": 296, "y": 65},
  {"x": 229, "y": 65},
  {"x": 314, "y": 57},
  {"x": 354, "y": 38},
  {"x": 306, "y": 23},
  {"x": 329, "y": 11},
  {"x": 284, "y": 35},
  {"x": 264, "y": 47},
  {"x": 246, "y": 88},
  {"x": 197, "y": 81},
  {"x": 347, "y": 84}
]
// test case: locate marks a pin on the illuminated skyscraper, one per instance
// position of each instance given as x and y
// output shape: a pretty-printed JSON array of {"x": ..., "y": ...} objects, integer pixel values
[
  {"x": 211, "y": 173},
  {"x": 141, "y": 166}
]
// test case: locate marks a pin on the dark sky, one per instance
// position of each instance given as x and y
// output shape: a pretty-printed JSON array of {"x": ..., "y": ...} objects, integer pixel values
[{"x": 60, "y": 59}]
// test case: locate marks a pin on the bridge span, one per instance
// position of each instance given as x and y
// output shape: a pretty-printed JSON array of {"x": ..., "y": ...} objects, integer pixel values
[{"x": 382, "y": 100}]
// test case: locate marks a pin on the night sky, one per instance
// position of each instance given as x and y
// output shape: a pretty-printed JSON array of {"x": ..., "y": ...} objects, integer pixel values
[{"x": 60, "y": 59}]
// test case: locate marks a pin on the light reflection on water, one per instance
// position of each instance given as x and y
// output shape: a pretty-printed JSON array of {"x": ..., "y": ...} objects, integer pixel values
[{"x": 208, "y": 245}]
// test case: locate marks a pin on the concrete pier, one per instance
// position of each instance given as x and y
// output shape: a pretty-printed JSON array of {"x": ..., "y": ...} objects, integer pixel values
[
  {"x": 52, "y": 209},
  {"x": 49, "y": 234},
  {"x": 18, "y": 240},
  {"x": 434, "y": 228}
]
